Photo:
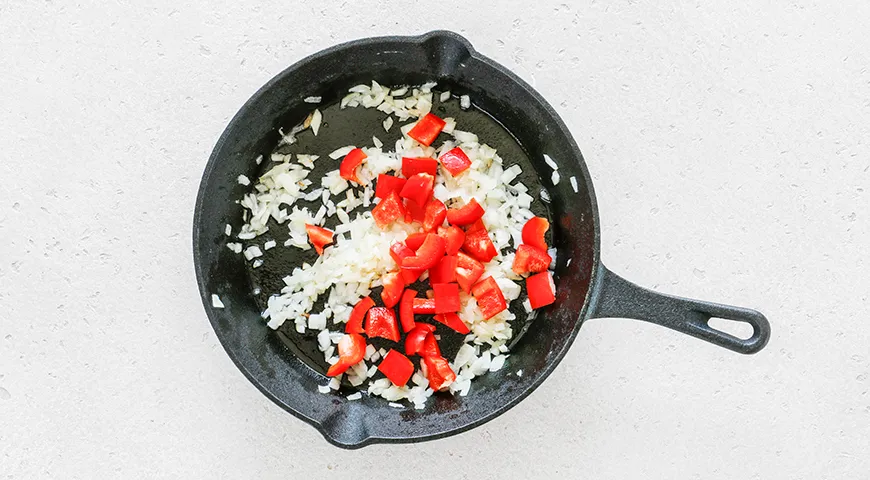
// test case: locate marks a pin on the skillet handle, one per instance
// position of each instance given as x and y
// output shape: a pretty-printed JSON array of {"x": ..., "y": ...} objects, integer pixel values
[{"x": 619, "y": 298}]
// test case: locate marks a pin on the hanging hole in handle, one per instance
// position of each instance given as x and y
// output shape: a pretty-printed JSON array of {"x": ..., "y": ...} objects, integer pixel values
[{"x": 737, "y": 328}]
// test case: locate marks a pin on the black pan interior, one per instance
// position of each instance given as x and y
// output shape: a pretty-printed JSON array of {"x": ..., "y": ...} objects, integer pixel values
[{"x": 281, "y": 364}]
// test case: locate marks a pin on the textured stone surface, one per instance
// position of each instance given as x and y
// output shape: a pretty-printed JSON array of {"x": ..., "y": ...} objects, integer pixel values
[{"x": 728, "y": 143}]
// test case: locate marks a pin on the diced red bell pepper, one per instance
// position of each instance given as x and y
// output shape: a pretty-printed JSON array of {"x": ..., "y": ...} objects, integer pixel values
[
  {"x": 387, "y": 184},
  {"x": 319, "y": 237},
  {"x": 452, "y": 321},
  {"x": 388, "y": 210},
  {"x": 534, "y": 230},
  {"x": 416, "y": 338},
  {"x": 541, "y": 289},
  {"x": 382, "y": 323},
  {"x": 414, "y": 212},
  {"x": 399, "y": 251},
  {"x": 348, "y": 166},
  {"x": 406, "y": 310},
  {"x": 418, "y": 188},
  {"x": 446, "y": 297},
  {"x": 529, "y": 259},
  {"x": 444, "y": 271},
  {"x": 394, "y": 285},
  {"x": 466, "y": 215},
  {"x": 427, "y": 255},
  {"x": 434, "y": 214},
  {"x": 413, "y": 166},
  {"x": 455, "y": 161},
  {"x": 414, "y": 240},
  {"x": 397, "y": 367},
  {"x": 453, "y": 238},
  {"x": 478, "y": 244},
  {"x": 439, "y": 373},
  {"x": 358, "y": 314},
  {"x": 351, "y": 350},
  {"x": 427, "y": 129},
  {"x": 430, "y": 347},
  {"x": 424, "y": 306},
  {"x": 468, "y": 271},
  {"x": 489, "y": 298}
]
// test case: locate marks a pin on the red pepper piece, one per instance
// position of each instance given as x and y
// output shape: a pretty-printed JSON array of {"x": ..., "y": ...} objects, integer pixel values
[
  {"x": 452, "y": 321},
  {"x": 427, "y": 255},
  {"x": 466, "y": 215},
  {"x": 351, "y": 350},
  {"x": 382, "y": 323},
  {"x": 468, "y": 271},
  {"x": 453, "y": 238},
  {"x": 444, "y": 271},
  {"x": 413, "y": 166},
  {"x": 427, "y": 129},
  {"x": 416, "y": 338},
  {"x": 439, "y": 373},
  {"x": 418, "y": 188},
  {"x": 446, "y": 297},
  {"x": 393, "y": 288},
  {"x": 534, "y": 230},
  {"x": 434, "y": 214},
  {"x": 455, "y": 161},
  {"x": 406, "y": 310},
  {"x": 414, "y": 212},
  {"x": 388, "y": 210},
  {"x": 430, "y": 347},
  {"x": 387, "y": 184},
  {"x": 541, "y": 289},
  {"x": 397, "y": 368},
  {"x": 399, "y": 251},
  {"x": 529, "y": 259},
  {"x": 319, "y": 237},
  {"x": 478, "y": 244},
  {"x": 489, "y": 298},
  {"x": 414, "y": 240},
  {"x": 358, "y": 314},
  {"x": 424, "y": 306},
  {"x": 348, "y": 166}
]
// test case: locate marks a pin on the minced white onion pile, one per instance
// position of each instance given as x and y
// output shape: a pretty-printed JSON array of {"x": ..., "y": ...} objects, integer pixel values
[{"x": 360, "y": 254}]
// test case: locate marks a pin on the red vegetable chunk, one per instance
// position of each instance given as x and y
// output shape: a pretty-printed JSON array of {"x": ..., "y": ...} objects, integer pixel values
[
  {"x": 427, "y": 129},
  {"x": 414, "y": 212},
  {"x": 434, "y": 214},
  {"x": 348, "y": 166},
  {"x": 393, "y": 288},
  {"x": 319, "y": 237},
  {"x": 387, "y": 184},
  {"x": 388, "y": 211},
  {"x": 446, "y": 297},
  {"x": 453, "y": 238},
  {"x": 419, "y": 189},
  {"x": 534, "y": 230},
  {"x": 444, "y": 271},
  {"x": 416, "y": 338},
  {"x": 466, "y": 215},
  {"x": 424, "y": 306},
  {"x": 414, "y": 240},
  {"x": 429, "y": 254},
  {"x": 397, "y": 368},
  {"x": 478, "y": 244},
  {"x": 382, "y": 323},
  {"x": 452, "y": 321},
  {"x": 541, "y": 289},
  {"x": 413, "y": 166},
  {"x": 489, "y": 298},
  {"x": 406, "y": 310},
  {"x": 430, "y": 347},
  {"x": 351, "y": 350},
  {"x": 529, "y": 259},
  {"x": 455, "y": 161},
  {"x": 399, "y": 251},
  {"x": 468, "y": 271},
  {"x": 358, "y": 314},
  {"x": 439, "y": 373}
]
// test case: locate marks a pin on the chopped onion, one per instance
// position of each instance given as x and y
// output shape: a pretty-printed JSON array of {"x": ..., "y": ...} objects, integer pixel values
[
  {"x": 312, "y": 99},
  {"x": 243, "y": 180},
  {"x": 216, "y": 301}
]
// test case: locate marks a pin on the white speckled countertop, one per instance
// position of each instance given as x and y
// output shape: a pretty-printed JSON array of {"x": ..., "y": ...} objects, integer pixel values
[{"x": 729, "y": 147}]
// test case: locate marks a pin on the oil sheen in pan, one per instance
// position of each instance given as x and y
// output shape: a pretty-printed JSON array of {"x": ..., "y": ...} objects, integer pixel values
[{"x": 356, "y": 126}]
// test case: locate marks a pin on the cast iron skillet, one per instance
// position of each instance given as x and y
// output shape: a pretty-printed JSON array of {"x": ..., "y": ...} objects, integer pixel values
[{"x": 286, "y": 368}]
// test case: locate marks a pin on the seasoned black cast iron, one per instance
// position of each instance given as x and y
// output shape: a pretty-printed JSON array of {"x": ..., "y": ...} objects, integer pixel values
[{"x": 285, "y": 369}]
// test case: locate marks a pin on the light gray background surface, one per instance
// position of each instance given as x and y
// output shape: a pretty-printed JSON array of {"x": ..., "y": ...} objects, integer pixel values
[{"x": 728, "y": 142}]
